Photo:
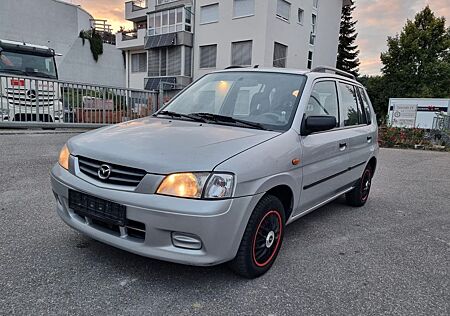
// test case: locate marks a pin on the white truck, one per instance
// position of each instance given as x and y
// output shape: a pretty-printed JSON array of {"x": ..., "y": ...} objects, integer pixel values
[{"x": 29, "y": 90}]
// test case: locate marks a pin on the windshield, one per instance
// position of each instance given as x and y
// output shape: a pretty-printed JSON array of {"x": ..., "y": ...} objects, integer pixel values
[
  {"x": 268, "y": 99},
  {"x": 27, "y": 64}
]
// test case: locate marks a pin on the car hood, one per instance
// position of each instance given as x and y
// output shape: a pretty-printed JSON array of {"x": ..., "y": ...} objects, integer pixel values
[{"x": 164, "y": 146}]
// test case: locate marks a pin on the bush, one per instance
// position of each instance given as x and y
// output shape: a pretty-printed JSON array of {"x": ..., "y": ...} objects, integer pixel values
[{"x": 401, "y": 137}]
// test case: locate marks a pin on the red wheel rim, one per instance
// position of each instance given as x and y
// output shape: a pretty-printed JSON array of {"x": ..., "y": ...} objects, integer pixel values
[
  {"x": 366, "y": 184},
  {"x": 267, "y": 238}
]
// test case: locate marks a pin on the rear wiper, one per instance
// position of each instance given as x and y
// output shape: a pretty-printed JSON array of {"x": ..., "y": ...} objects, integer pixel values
[
  {"x": 228, "y": 119},
  {"x": 181, "y": 115}
]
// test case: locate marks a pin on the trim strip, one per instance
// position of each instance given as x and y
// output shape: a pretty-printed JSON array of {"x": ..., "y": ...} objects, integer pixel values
[{"x": 306, "y": 187}]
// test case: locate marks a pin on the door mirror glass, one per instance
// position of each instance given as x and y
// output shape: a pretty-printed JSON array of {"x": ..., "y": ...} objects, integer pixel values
[{"x": 319, "y": 123}]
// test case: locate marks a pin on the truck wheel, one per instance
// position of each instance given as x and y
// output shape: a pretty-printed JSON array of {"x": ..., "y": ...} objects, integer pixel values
[
  {"x": 359, "y": 195},
  {"x": 262, "y": 239}
]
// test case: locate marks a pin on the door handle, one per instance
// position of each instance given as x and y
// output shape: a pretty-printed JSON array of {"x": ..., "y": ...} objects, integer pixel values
[
  {"x": 342, "y": 146},
  {"x": 369, "y": 139}
]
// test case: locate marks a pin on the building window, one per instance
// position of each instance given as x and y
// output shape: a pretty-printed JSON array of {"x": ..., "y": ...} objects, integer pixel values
[
  {"x": 279, "y": 55},
  {"x": 209, "y": 13},
  {"x": 139, "y": 62},
  {"x": 315, "y": 4},
  {"x": 168, "y": 21},
  {"x": 312, "y": 38},
  {"x": 241, "y": 53},
  {"x": 283, "y": 9},
  {"x": 208, "y": 56},
  {"x": 164, "y": 62},
  {"x": 301, "y": 15},
  {"x": 187, "y": 61},
  {"x": 310, "y": 59},
  {"x": 243, "y": 8}
]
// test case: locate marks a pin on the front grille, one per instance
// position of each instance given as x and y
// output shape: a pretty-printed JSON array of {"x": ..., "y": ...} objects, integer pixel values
[
  {"x": 23, "y": 117},
  {"x": 19, "y": 97},
  {"x": 120, "y": 175}
]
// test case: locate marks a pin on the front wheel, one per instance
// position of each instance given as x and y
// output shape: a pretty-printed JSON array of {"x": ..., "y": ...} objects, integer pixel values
[
  {"x": 262, "y": 239},
  {"x": 359, "y": 195}
]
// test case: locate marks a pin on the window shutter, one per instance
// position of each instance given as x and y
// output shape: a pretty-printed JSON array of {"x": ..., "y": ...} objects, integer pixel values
[
  {"x": 243, "y": 7},
  {"x": 208, "y": 56},
  {"x": 241, "y": 53},
  {"x": 279, "y": 55}
]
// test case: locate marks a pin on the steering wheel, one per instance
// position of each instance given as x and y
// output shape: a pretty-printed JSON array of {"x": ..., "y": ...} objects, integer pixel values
[{"x": 272, "y": 116}]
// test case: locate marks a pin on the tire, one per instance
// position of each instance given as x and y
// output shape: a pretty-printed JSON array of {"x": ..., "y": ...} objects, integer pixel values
[
  {"x": 262, "y": 239},
  {"x": 359, "y": 195}
]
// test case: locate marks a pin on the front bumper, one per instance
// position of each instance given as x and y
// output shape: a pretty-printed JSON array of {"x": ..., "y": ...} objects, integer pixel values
[{"x": 218, "y": 224}]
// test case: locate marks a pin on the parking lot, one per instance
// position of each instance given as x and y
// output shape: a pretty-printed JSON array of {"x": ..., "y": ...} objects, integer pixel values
[{"x": 390, "y": 257}]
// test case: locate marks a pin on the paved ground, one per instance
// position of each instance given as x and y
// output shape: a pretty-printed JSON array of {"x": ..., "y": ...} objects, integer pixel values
[{"x": 390, "y": 257}]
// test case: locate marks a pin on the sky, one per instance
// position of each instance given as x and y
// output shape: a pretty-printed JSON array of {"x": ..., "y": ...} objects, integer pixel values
[{"x": 377, "y": 19}]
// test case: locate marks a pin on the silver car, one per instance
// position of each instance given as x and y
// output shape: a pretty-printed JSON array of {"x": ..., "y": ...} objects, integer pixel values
[{"x": 217, "y": 174}]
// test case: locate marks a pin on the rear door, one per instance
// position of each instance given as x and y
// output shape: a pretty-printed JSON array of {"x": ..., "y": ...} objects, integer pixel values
[
  {"x": 325, "y": 158},
  {"x": 360, "y": 133}
]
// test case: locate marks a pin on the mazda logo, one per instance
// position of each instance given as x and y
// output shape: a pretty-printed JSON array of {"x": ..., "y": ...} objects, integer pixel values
[
  {"x": 104, "y": 172},
  {"x": 31, "y": 94}
]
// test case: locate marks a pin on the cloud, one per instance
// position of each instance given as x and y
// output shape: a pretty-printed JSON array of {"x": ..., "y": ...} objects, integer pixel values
[{"x": 378, "y": 19}]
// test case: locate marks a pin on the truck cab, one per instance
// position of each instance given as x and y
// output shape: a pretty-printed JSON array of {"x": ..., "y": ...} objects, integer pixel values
[{"x": 29, "y": 90}]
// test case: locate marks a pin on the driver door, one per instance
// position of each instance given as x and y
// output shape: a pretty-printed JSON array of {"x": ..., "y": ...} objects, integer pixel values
[{"x": 325, "y": 159}]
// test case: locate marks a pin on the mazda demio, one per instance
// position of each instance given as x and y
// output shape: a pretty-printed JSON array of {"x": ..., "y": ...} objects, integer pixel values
[{"x": 217, "y": 173}]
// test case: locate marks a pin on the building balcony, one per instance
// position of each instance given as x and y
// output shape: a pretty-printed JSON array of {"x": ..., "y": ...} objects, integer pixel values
[
  {"x": 168, "y": 4},
  {"x": 169, "y": 39},
  {"x": 136, "y": 11},
  {"x": 134, "y": 39},
  {"x": 167, "y": 83}
]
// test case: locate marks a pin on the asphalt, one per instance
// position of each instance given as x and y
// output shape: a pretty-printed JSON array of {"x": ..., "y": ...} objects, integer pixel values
[{"x": 391, "y": 257}]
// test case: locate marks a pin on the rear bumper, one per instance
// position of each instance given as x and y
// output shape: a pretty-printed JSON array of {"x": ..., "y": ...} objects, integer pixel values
[{"x": 218, "y": 224}]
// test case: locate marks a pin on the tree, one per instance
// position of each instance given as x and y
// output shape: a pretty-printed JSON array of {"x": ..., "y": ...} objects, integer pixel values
[
  {"x": 417, "y": 62},
  {"x": 348, "y": 52},
  {"x": 379, "y": 95}
]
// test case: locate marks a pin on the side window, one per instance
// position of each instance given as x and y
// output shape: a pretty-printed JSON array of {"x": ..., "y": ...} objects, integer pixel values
[
  {"x": 365, "y": 105},
  {"x": 350, "y": 115},
  {"x": 323, "y": 100}
]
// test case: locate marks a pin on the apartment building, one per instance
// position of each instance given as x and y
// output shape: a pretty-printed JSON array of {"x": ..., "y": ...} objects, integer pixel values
[{"x": 176, "y": 41}]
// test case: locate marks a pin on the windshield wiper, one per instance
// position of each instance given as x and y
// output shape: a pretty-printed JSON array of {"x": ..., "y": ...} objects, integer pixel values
[
  {"x": 228, "y": 119},
  {"x": 181, "y": 115},
  {"x": 40, "y": 74},
  {"x": 18, "y": 71}
]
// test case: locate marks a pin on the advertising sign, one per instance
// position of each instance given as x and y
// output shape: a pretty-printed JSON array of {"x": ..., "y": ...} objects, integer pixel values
[{"x": 404, "y": 115}]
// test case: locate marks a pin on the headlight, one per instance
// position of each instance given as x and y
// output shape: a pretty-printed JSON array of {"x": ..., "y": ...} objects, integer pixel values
[
  {"x": 64, "y": 157},
  {"x": 197, "y": 185}
]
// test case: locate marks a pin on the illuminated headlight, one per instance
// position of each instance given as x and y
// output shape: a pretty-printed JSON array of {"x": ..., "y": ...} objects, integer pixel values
[
  {"x": 64, "y": 155},
  {"x": 198, "y": 185}
]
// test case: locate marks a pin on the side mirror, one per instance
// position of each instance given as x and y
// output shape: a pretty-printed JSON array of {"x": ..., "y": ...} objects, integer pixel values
[{"x": 314, "y": 124}]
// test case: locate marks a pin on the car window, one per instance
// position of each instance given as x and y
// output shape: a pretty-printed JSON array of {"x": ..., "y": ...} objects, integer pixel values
[
  {"x": 323, "y": 100},
  {"x": 364, "y": 101},
  {"x": 349, "y": 112}
]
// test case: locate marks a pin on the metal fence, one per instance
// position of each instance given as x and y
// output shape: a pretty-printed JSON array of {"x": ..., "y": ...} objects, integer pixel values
[
  {"x": 441, "y": 122},
  {"x": 40, "y": 102}
]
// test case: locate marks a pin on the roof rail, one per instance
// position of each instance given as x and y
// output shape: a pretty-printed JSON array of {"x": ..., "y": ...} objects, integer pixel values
[
  {"x": 334, "y": 70},
  {"x": 233, "y": 67}
]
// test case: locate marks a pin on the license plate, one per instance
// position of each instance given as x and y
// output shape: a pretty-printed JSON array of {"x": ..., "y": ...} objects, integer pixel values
[{"x": 95, "y": 208}]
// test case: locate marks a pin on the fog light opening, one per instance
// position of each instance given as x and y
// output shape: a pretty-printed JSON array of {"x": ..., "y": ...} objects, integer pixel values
[{"x": 186, "y": 241}]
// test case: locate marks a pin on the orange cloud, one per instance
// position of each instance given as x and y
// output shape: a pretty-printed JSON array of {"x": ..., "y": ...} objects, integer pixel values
[{"x": 378, "y": 19}]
